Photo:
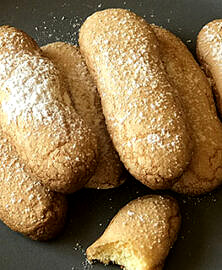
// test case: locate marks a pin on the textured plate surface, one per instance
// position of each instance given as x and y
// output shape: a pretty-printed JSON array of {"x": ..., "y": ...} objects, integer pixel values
[{"x": 199, "y": 243}]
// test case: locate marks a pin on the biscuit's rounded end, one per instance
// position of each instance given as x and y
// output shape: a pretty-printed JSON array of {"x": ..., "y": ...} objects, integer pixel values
[
  {"x": 53, "y": 220},
  {"x": 71, "y": 165},
  {"x": 31, "y": 209},
  {"x": 20, "y": 39},
  {"x": 140, "y": 235}
]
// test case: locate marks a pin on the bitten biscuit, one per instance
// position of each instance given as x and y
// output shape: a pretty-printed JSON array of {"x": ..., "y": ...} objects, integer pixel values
[
  {"x": 26, "y": 206},
  {"x": 204, "y": 172},
  {"x": 51, "y": 138},
  {"x": 209, "y": 44},
  {"x": 86, "y": 100},
  {"x": 143, "y": 113},
  {"x": 140, "y": 236}
]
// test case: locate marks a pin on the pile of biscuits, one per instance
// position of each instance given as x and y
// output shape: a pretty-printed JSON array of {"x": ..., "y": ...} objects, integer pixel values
[{"x": 153, "y": 114}]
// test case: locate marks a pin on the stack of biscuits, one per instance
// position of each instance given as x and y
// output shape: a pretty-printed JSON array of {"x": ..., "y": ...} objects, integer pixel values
[{"x": 132, "y": 98}]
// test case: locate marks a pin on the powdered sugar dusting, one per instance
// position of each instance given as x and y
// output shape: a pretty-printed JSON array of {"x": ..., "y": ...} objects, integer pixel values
[
  {"x": 26, "y": 81},
  {"x": 152, "y": 223},
  {"x": 137, "y": 99},
  {"x": 52, "y": 28},
  {"x": 51, "y": 137}
]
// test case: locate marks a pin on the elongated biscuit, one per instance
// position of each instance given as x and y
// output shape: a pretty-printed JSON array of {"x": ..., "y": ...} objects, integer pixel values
[
  {"x": 49, "y": 136},
  {"x": 109, "y": 171},
  {"x": 141, "y": 234},
  {"x": 143, "y": 113},
  {"x": 204, "y": 172},
  {"x": 26, "y": 206},
  {"x": 209, "y": 44}
]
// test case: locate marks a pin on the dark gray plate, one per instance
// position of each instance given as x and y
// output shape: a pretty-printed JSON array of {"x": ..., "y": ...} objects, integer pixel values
[{"x": 199, "y": 243}]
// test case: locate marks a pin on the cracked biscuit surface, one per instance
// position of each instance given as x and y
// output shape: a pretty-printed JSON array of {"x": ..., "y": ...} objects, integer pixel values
[
  {"x": 204, "y": 173},
  {"x": 49, "y": 136},
  {"x": 141, "y": 234},
  {"x": 109, "y": 172},
  {"x": 26, "y": 206},
  {"x": 143, "y": 112}
]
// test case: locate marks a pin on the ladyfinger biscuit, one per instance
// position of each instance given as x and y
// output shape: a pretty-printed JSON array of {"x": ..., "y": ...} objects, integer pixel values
[
  {"x": 26, "y": 206},
  {"x": 51, "y": 138},
  {"x": 143, "y": 113},
  {"x": 204, "y": 172},
  {"x": 86, "y": 100},
  {"x": 140, "y": 236},
  {"x": 209, "y": 44}
]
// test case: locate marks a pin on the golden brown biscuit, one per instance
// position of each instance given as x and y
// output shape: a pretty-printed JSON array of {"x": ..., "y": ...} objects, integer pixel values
[
  {"x": 140, "y": 236},
  {"x": 49, "y": 136},
  {"x": 86, "y": 100},
  {"x": 204, "y": 172},
  {"x": 26, "y": 206},
  {"x": 209, "y": 42},
  {"x": 143, "y": 113}
]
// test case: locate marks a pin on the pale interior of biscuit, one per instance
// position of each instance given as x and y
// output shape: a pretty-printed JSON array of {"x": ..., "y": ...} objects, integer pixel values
[{"x": 120, "y": 253}]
